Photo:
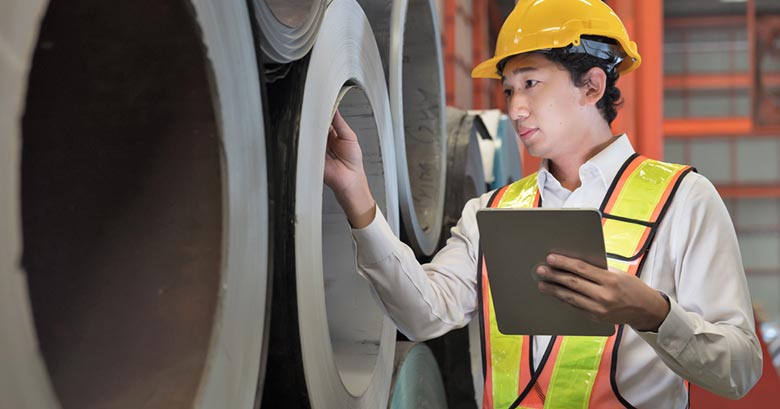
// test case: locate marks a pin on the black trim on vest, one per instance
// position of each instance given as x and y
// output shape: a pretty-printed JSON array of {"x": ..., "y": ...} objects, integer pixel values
[
  {"x": 652, "y": 225},
  {"x": 615, "y": 181},
  {"x": 613, "y": 370},
  {"x": 538, "y": 372},
  {"x": 546, "y": 355},
  {"x": 628, "y": 220},
  {"x": 642, "y": 250},
  {"x": 619, "y": 337},
  {"x": 613, "y": 365},
  {"x": 480, "y": 299}
]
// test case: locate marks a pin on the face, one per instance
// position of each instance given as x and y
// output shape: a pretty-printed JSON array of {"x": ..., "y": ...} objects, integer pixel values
[{"x": 547, "y": 110}]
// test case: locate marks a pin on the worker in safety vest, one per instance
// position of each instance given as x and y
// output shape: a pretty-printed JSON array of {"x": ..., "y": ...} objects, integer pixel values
[{"x": 675, "y": 289}]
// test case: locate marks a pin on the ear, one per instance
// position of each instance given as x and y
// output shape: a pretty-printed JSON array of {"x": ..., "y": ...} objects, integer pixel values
[{"x": 594, "y": 85}]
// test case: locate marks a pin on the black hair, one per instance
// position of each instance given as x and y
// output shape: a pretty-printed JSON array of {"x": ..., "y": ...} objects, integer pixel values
[{"x": 578, "y": 64}]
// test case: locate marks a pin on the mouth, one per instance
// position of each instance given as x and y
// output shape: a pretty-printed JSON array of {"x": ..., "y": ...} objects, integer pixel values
[{"x": 525, "y": 133}]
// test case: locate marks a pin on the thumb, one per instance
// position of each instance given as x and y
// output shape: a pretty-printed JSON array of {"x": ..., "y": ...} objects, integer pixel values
[{"x": 343, "y": 131}]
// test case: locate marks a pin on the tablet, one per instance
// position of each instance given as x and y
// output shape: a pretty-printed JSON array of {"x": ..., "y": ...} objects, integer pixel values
[{"x": 514, "y": 243}]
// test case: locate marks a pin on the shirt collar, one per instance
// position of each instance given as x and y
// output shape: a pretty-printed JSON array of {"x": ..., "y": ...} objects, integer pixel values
[{"x": 607, "y": 162}]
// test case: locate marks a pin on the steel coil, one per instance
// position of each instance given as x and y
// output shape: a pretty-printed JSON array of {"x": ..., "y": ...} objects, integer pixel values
[
  {"x": 465, "y": 175},
  {"x": 459, "y": 352},
  {"x": 500, "y": 151},
  {"x": 408, "y": 37},
  {"x": 508, "y": 166},
  {"x": 331, "y": 345},
  {"x": 417, "y": 382},
  {"x": 288, "y": 28},
  {"x": 134, "y": 164}
]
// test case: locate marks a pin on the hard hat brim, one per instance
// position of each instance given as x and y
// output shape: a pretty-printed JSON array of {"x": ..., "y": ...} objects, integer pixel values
[{"x": 489, "y": 68}]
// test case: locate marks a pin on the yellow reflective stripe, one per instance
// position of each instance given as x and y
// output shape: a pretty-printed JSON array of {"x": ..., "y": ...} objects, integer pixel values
[
  {"x": 505, "y": 353},
  {"x": 521, "y": 193},
  {"x": 622, "y": 238},
  {"x": 505, "y": 350},
  {"x": 643, "y": 190},
  {"x": 619, "y": 264},
  {"x": 573, "y": 377}
]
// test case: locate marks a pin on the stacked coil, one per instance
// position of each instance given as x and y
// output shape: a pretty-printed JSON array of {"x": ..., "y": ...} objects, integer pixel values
[
  {"x": 141, "y": 219},
  {"x": 168, "y": 239},
  {"x": 331, "y": 345}
]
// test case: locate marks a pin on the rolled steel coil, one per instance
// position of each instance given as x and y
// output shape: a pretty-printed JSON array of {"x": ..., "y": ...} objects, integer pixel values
[
  {"x": 417, "y": 382},
  {"x": 331, "y": 345},
  {"x": 465, "y": 176},
  {"x": 500, "y": 152},
  {"x": 487, "y": 144},
  {"x": 288, "y": 28},
  {"x": 136, "y": 200},
  {"x": 508, "y": 167},
  {"x": 407, "y": 34},
  {"x": 459, "y": 352}
]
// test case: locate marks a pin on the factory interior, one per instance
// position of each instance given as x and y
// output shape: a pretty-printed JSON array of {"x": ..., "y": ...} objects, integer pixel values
[{"x": 169, "y": 241}]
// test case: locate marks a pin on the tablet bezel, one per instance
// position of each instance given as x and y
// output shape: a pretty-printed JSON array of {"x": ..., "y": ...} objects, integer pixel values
[{"x": 518, "y": 240}]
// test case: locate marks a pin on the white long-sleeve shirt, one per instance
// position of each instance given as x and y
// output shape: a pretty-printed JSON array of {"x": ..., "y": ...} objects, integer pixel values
[{"x": 708, "y": 337}]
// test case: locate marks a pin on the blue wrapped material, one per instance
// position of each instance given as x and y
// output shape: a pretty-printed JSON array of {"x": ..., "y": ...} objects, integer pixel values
[{"x": 506, "y": 165}]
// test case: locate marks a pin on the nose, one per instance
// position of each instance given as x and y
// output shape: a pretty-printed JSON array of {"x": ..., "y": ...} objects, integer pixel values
[{"x": 518, "y": 109}]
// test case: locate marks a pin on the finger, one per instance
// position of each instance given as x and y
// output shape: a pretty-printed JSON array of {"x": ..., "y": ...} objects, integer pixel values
[
  {"x": 331, "y": 141},
  {"x": 577, "y": 266},
  {"x": 343, "y": 131},
  {"x": 332, "y": 136},
  {"x": 568, "y": 280},
  {"x": 571, "y": 297}
]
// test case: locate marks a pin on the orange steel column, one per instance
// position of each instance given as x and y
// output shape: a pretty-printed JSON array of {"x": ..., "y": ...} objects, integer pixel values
[
  {"x": 626, "y": 119},
  {"x": 479, "y": 45},
  {"x": 642, "y": 113}
]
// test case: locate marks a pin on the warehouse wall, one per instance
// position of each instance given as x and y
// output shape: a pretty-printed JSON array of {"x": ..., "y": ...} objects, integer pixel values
[
  {"x": 712, "y": 101},
  {"x": 469, "y": 29}
]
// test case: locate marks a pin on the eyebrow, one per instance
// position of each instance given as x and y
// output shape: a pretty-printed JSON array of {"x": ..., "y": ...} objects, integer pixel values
[{"x": 520, "y": 71}]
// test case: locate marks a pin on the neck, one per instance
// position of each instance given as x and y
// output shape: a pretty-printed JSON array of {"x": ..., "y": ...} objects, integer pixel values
[{"x": 566, "y": 169}]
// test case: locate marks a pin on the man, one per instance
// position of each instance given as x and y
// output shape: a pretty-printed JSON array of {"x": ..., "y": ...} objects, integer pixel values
[{"x": 675, "y": 288}]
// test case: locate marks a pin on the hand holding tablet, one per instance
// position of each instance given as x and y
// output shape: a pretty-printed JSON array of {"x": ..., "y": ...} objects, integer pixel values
[{"x": 515, "y": 243}]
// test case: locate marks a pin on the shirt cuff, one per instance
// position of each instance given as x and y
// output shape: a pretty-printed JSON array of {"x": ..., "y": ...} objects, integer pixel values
[
  {"x": 372, "y": 242},
  {"x": 674, "y": 333}
]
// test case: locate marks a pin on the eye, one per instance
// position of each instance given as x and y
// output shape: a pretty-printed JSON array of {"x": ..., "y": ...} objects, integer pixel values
[
  {"x": 508, "y": 92},
  {"x": 531, "y": 83}
]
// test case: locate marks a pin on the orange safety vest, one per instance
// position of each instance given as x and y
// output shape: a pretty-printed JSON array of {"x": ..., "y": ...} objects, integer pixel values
[{"x": 572, "y": 373}]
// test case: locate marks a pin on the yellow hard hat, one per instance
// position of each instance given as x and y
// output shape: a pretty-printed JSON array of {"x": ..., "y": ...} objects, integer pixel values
[{"x": 539, "y": 25}]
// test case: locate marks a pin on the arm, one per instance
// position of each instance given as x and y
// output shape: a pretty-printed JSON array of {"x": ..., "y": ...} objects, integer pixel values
[
  {"x": 709, "y": 336},
  {"x": 345, "y": 175},
  {"x": 423, "y": 301}
]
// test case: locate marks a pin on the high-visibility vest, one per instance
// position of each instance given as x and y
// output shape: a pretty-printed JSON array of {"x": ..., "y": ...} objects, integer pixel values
[{"x": 576, "y": 372}]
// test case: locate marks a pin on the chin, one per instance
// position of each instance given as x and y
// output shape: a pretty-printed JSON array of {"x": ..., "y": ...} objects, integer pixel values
[{"x": 535, "y": 151}]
